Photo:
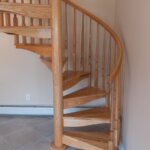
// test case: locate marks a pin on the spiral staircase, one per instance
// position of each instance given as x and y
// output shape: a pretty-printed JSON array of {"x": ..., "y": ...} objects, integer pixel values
[{"x": 77, "y": 47}]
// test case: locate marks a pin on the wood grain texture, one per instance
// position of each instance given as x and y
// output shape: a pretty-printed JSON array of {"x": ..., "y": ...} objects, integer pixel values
[
  {"x": 35, "y": 31},
  {"x": 71, "y": 78},
  {"x": 40, "y": 49},
  {"x": 87, "y": 117},
  {"x": 87, "y": 140},
  {"x": 23, "y": 9},
  {"x": 83, "y": 96}
]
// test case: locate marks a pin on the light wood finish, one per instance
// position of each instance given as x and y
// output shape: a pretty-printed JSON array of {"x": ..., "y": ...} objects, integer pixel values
[
  {"x": 48, "y": 61},
  {"x": 15, "y": 21},
  {"x": 1, "y": 19},
  {"x": 87, "y": 117},
  {"x": 87, "y": 140},
  {"x": 24, "y": 40},
  {"x": 82, "y": 44},
  {"x": 83, "y": 96},
  {"x": 57, "y": 73},
  {"x": 40, "y": 49},
  {"x": 71, "y": 78},
  {"x": 31, "y": 24},
  {"x": 90, "y": 52},
  {"x": 96, "y": 61},
  {"x": 103, "y": 61},
  {"x": 74, "y": 41},
  {"x": 116, "y": 69},
  {"x": 97, "y": 57},
  {"x": 53, "y": 147},
  {"x": 23, "y": 9},
  {"x": 35, "y": 32}
]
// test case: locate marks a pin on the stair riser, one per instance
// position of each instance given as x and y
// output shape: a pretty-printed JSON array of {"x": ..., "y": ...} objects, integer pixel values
[
  {"x": 81, "y": 123},
  {"x": 74, "y": 102}
]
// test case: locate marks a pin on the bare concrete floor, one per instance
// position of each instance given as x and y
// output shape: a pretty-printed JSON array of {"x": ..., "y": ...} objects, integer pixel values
[
  {"x": 26, "y": 133},
  {"x": 32, "y": 133}
]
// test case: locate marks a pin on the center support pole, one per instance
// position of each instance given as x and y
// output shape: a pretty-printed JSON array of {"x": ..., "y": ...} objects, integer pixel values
[{"x": 56, "y": 22}]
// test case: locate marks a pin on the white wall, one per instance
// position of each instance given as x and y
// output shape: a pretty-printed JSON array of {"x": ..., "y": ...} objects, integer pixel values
[
  {"x": 22, "y": 72},
  {"x": 134, "y": 27},
  {"x": 105, "y": 9}
]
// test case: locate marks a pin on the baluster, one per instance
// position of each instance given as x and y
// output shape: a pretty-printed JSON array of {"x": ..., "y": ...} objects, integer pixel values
[
  {"x": 112, "y": 110},
  {"x": 96, "y": 57},
  {"x": 40, "y": 20},
  {"x": 7, "y": 17},
  {"x": 15, "y": 23},
  {"x": 49, "y": 20},
  {"x": 90, "y": 52},
  {"x": 103, "y": 62},
  {"x": 109, "y": 56},
  {"x": 31, "y": 23},
  {"x": 1, "y": 19},
  {"x": 66, "y": 35},
  {"x": 82, "y": 43},
  {"x": 109, "y": 69},
  {"x": 74, "y": 41},
  {"x": 117, "y": 110},
  {"x": 24, "y": 40}
]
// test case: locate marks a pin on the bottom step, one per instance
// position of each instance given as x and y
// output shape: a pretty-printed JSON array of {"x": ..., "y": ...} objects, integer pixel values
[{"x": 88, "y": 140}]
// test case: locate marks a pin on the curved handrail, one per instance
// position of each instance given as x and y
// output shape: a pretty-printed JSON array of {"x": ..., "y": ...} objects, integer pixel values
[{"x": 117, "y": 67}]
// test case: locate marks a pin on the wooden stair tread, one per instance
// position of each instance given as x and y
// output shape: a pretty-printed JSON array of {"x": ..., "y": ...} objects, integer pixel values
[
  {"x": 70, "y": 78},
  {"x": 29, "y": 31},
  {"x": 37, "y": 11},
  {"x": 40, "y": 49},
  {"x": 83, "y": 96},
  {"x": 87, "y": 117},
  {"x": 87, "y": 140}
]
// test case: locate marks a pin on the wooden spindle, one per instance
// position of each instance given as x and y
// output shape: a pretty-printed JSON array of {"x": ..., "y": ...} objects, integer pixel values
[
  {"x": 1, "y": 19},
  {"x": 116, "y": 110},
  {"x": 31, "y": 23},
  {"x": 66, "y": 34},
  {"x": 24, "y": 40},
  {"x": 74, "y": 40},
  {"x": 7, "y": 17},
  {"x": 103, "y": 62},
  {"x": 97, "y": 57},
  {"x": 109, "y": 69},
  {"x": 82, "y": 43},
  {"x": 40, "y": 20},
  {"x": 90, "y": 52},
  {"x": 15, "y": 23}
]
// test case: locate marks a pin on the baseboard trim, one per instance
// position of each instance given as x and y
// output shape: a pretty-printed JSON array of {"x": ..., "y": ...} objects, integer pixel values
[
  {"x": 30, "y": 110},
  {"x": 121, "y": 147}
]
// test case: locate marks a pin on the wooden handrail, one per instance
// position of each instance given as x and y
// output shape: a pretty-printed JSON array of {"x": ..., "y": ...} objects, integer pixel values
[{"x": 116, "y": 69}]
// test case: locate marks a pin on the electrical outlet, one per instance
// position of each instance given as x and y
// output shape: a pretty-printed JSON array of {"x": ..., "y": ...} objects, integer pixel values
[{"x": 28, "y": 97}]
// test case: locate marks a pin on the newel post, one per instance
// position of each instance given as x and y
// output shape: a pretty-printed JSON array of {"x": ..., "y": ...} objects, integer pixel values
[{"x": 57, "y": 74}]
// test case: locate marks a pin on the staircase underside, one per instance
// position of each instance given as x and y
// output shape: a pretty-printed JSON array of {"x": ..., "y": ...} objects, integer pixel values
[
  {"x": 28, "y": 31},
  {"x": 40, "y": 49}
]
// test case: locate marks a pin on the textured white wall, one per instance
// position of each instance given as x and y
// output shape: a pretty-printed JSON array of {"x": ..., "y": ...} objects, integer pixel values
[
  {"x": 22, "y": 72},
  {"x": 134, "y": 27}
]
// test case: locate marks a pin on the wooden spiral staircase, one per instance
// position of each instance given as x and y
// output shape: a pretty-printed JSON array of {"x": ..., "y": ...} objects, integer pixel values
[{"x": 78, "y": 47}]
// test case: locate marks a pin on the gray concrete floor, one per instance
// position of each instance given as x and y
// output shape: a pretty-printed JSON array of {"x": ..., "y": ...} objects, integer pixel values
[
  {"x": 25, "y": 133},
  {"x": 32, "y": 133}
]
